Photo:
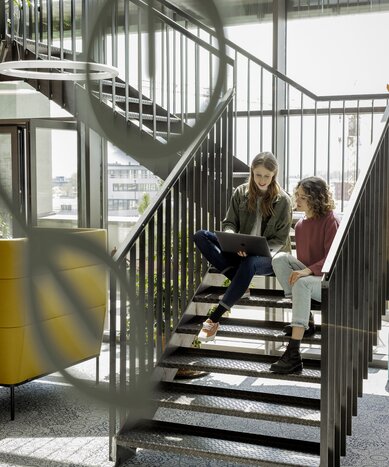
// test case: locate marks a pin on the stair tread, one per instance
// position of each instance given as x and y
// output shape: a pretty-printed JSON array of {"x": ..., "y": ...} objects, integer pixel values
[
  {"x": 232, "y": 327},
  {"x": 189, "y": 399},
  {"x": 192, "y": 441},
  {"x": 237, "y": 363},
  {"x": 258, "y": 297}
]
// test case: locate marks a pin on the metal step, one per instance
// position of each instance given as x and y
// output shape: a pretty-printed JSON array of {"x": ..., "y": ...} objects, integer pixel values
[
  {"x": 243, "y": 329},
  {"x": 120, "y": 98},
  {"x": 236, "y": 403},
  {"x": 258, "y": 297},
  {"x": 220, "y": 444},
  {"x": 235, "y": 363}
]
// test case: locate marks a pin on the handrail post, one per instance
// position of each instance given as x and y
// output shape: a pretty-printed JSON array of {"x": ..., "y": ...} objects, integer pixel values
[{"x": 279, "y": 88}]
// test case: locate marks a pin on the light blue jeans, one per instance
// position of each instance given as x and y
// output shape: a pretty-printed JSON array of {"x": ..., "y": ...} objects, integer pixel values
[{"x": 303, "y": 290}]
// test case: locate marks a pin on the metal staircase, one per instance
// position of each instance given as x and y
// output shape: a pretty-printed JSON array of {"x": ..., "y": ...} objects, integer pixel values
[
  {"x": 258, "y": 426},
  {"x": 267, "y": 421}
]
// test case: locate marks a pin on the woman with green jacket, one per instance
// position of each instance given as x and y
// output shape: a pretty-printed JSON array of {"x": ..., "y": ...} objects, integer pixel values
[{"x": 259, "y": 207}]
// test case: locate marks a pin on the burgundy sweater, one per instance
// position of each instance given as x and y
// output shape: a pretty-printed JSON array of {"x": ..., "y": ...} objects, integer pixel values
[{"x": 313, "y": 240}]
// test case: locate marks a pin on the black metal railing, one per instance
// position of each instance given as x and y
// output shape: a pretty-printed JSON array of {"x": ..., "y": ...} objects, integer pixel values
[
  {"x": 329, "y": 136},
  {"x": 163, "y": 267},
  {"x": 355, "y": 289}
]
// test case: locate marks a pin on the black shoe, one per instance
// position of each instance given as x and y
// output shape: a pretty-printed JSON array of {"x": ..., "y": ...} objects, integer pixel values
[
  {"x": 290, "y": 362},
  {"x": 307, "y": 333}
]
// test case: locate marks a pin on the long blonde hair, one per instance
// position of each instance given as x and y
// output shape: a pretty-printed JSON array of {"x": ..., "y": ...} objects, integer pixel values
[{"x": 270, "y": 163}]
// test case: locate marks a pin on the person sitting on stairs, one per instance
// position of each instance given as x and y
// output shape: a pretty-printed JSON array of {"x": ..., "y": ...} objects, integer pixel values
[
  {"x": 301, "y": 277},
  {"x": 259, "y": 207}
]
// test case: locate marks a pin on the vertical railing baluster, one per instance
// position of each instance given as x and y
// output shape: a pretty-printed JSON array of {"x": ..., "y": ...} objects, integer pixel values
[
  {"x": 248, "y": 112},
  {"x": 114, "y": 47},
  {"x": 36, "y": 22},
  {"x": 61, "y": 29},
  {"x": 174, "y": 67},
  {"x": 197, "y": 199},
  {"x": 186, "y": 77},
  {"x": 159, "y": 283},
  {"x": 49, "y": 27},
  {"x": 176, "y": 249},
  {"x": 141, "y": 283},
  {"x": 315, "y": 142},
  {"x": 204, "y": 196},
  {"x": 133, "y": 318},
  {"x": 124, "y": 299},
  {"x": 167, "y": 261},
  {"x": 112, "y": 357},
  {"x": 197, "y": 79},
  {"x": 182, "y": 88},
  {"x": 301, "y": 135},
  {"x": 287, "y": 145},
  {"x": 126, "y": 57},
  {"x": 329, "y": 142},
  {"x": 211, "y": 179},
  {"x": 22, "y": 20},
  {"x": 261, "y": 112},
  {"x": 184, "y": 241},
  {"x": 150, "y": 294},
  {"x": 218, "y": 180},
  {"x": 163, "y": 26},
  {"x": 224, "y": 185},
  {"x": 357, "y": 142},
  {"x": 168, "y": 81},
  {"x": 235, "y": 83},
  {"x": 140, "y": 70},
  {"x": 191, "y": 252},
  {"x": 73, "y": 28},
  {"x": 12, "y": 19},
  {"x": 372, "y": 122},
  {"x": 337, "y": 323},
  {"x": 229, "y": 113},
  {"x": 343, "y": 165}
]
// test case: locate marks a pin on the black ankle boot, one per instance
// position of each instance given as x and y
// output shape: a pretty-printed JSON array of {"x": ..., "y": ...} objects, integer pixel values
[
  {"x": 290, "y": 362},
  {"x": 308, "y": 332}
]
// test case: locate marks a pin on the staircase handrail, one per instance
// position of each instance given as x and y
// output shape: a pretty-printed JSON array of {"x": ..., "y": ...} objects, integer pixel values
[
  {"x": 268, "y": 67},
  {"x": 182, "y": 30},
  {"x": 186, "y": 157},
  {"x": 349, "y": 212},
  {"x": 245, "y": 53}
]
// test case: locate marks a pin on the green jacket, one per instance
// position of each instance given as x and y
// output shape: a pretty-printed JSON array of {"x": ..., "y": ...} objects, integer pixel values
[{"x": 275, "y": 228}]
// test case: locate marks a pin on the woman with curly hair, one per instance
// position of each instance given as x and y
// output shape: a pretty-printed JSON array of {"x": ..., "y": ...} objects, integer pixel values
[
  {"x": 259, "y": 207},
  {"x": 301, "y": 277}
]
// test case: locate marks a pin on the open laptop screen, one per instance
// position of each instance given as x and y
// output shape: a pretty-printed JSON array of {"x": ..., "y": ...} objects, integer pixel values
[{"x": 250, "y": 244}]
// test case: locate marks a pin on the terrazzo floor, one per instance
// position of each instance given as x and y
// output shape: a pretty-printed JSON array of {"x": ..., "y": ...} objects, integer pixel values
[{"x": 56, "y": 425}]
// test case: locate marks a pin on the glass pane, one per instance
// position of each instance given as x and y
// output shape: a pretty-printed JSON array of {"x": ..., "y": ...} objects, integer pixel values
[
  {"x": 6, "y": 183},
  {"x": 131, "y": 188},
  {"x": 56, "y": 177}
]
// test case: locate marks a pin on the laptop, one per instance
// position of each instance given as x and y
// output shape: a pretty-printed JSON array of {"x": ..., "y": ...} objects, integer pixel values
[{"x": 250, "y": 244}]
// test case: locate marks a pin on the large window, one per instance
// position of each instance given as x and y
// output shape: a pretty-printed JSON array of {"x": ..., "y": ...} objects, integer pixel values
[
  {"x": 345, "y": 54},
  {"x": 55, "y": 193}
]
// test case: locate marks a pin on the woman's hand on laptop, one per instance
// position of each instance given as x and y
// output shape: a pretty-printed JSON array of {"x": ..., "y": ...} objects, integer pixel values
[{"x": 242, "y": 253}]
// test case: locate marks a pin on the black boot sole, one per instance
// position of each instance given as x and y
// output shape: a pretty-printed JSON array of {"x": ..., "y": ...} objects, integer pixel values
[
  {"x": 307, "y": 333},
  {"x": 295, "y": 369}
]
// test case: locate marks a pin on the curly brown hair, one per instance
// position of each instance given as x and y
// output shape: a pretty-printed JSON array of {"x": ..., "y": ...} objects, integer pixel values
[
  {"x": 268, "y": 160},
  {"x": 319, "y": 196}
]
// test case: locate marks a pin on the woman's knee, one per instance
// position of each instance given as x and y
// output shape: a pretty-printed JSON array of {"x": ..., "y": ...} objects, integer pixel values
[
  {"x": 279, "y": 260},
  {"x": 301, "y": 286},
  {"x": 199, "y": 236},
  {"x": 249, "y": 262}
]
